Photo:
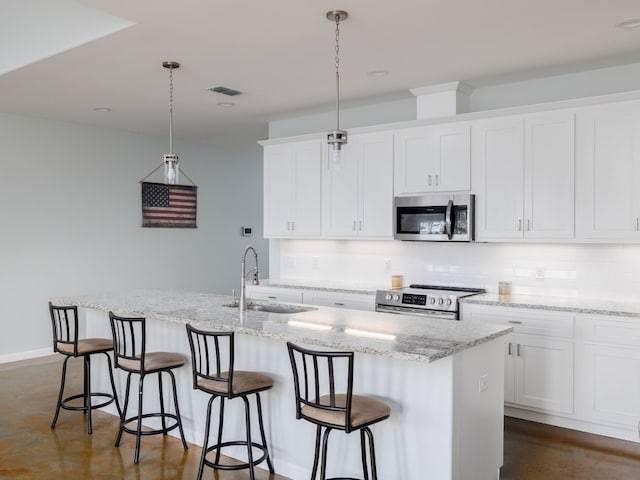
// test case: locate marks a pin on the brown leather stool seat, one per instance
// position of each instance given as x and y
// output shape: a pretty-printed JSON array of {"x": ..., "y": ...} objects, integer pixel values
[
  {"x": 212, "y": 360},
  {"x": 314, "y": 374},
  {"x": 64, "y": 320},
  {"x": 129, "y": 342}
]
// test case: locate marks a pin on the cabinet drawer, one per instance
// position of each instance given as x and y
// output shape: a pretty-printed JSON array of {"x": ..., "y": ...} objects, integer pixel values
[
  {"x": 274, "y": 294},
  {"x": 610, "y": 330},
  {"x": 355, "y": 301},
  {"x": 532, "y": 322}
]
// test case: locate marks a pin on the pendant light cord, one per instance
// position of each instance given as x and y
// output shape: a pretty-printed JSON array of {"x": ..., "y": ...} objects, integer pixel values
[
  {"x": 170, "y": 110},
  {"x": 337, "y": 63}
]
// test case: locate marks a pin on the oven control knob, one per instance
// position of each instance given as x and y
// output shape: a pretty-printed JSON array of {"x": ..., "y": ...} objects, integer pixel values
[
  {"x": 448, "y": 302},
  {"x": 396, "y": 298},
  {"x": 387, "y": 296},
  {"x": 440, "y": 301},
  {"x": 432, "y": 300}
]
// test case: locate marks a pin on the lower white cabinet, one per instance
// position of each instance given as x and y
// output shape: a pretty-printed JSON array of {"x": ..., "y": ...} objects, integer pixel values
[
  {"x": 274, "y": 294},
  {"x": 539, "y": 364},
  {"x": 355, "y": 301},
  {"x": 608, "y": 371}
]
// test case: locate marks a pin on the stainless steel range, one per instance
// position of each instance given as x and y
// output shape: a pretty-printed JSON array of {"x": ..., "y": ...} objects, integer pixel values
[{"x": 424, "y": 300}]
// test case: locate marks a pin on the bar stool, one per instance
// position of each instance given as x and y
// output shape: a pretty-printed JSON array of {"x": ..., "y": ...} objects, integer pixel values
[
  {"x": 212, "y": 359},
  {"x": 318, "y": 402},
  {"x": 129, "y": 342},
  {"x": 64, "y": 320}
]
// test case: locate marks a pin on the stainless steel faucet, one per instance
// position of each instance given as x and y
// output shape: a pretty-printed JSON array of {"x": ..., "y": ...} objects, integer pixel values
[{"x": 243, "y": 276}]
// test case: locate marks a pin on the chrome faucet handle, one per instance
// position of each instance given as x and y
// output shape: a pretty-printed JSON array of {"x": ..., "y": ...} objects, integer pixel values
[{"x": 256, "y": 276}]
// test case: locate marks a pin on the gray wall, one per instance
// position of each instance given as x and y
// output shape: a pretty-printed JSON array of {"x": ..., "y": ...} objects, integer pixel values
[{"x": 70, "y": 220}]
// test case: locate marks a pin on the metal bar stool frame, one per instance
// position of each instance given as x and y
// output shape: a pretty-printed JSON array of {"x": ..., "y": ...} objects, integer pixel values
[
  {"x": 130, "y": 355},
  {"x": 214, "y": 375},
  {"x": 314, "y": 405},
  {"x": 64, "y": 321}
]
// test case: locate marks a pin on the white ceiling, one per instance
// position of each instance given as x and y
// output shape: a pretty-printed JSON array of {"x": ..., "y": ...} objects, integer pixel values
[{"x": 281, "y": 54}]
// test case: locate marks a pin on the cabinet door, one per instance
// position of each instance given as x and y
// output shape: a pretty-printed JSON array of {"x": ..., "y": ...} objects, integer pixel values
[
  {"x": 451, "y": 158},
  {"x": 509, "y": 368},
  {"x": 549, "y": 175},
  {"x": 340, "y": 195},
  {"x": 544, "y": 373},
  {"x": 306, "y": 202},
  {"x": 278, "y": 194},
  {"x": 375, "y": 218},
  {"x": 498, "y": 178},
  {"x": 413, "y": 171},
  {"x": 608, "y": 173}
]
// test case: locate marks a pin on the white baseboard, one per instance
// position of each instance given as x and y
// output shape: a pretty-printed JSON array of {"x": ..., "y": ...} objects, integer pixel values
[{"x": 14, "y": 357}]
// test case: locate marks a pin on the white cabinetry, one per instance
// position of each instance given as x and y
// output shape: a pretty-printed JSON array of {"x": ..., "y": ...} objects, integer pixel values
[
  {"x": 433, "y": 159},
  {"x": 523, "y": 177},
  {"x": 358, "y": 199},
  {"x": 607, "y": 371},
  {"x": 355, "y": 301},
  {"x": 292, "y": 189},
  {"x": 274, "y": 294},
  {"x": 538, "y": 356},
  {"x": 608, "y": 172}
]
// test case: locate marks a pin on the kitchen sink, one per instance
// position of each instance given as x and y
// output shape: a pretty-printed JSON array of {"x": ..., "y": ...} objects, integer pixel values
[{"x": 273, "y": 307}]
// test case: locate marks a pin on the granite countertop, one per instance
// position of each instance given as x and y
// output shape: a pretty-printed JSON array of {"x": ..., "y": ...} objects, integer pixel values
[
  {"x": 559, "y": 304},
  {"x": 396, "y": 336}
]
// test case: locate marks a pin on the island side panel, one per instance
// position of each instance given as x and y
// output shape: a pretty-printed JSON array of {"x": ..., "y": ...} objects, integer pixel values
[{"x": 479, "y": 411}]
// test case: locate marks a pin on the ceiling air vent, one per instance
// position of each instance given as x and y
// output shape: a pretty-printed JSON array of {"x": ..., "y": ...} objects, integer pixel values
[{"x": 226, "y": 91}]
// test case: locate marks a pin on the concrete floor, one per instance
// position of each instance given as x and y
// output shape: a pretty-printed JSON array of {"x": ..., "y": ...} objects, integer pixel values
[{"x": 29, "y": 449}]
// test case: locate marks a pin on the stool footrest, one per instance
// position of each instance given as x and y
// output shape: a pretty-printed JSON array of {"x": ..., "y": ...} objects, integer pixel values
[
  {"x": 151, "y": 431},
  {"x": 239, "y": 466},
  {"x": 108, "y": 396}
]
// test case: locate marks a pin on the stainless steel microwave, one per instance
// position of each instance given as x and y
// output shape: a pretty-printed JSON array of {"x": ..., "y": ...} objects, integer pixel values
[{"x": 437, "y": 217}]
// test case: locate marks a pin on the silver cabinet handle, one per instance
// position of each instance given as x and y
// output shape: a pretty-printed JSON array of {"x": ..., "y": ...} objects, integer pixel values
[
  {"x": 339, "y": 304},
  {"x": 637, "y": 224},
  {"x": 429, "y": 177},
  {"x": 519, "y": 224},
  {"x": 293, "y": 226},
  {"x": 360, "y": 225},
  {"x": 354, "y": 225},
  {"x": 271, "y": 297},
  {"x": 437, "y": 180},
  {"x": 288, "y": 226},
  {"x": 509, "y": 351},
  {"x": 518, "y": 350},
  {"x": 528, "y": 225},
  {"x": 517, "y": 322}
]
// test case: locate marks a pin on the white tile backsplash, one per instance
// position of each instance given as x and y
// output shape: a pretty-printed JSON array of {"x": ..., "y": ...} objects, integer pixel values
[{"x": 577, "y": 270}]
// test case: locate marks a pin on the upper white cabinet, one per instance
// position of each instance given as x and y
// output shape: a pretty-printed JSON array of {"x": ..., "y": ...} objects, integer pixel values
[
  {"x": 358, "y": 199},
  {"x": 433, "y": 159},
  {"x": 523, "y": 177},
  {"x": 292, "y": 189},
  {"x": 608, "y": 172}
]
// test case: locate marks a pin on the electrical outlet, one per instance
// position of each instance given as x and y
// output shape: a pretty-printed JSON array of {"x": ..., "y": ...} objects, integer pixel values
[
  {"x": 483, "y": 382},
  {"x": 540, "y": 272},
  {"x": 387, "y": 265}
]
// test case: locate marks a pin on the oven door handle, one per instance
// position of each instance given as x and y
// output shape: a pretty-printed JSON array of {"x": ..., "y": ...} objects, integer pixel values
[{"x": 447, "y": 221}]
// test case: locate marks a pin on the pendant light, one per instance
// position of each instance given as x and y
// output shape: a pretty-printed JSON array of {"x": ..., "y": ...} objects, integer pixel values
[
  {"x": 171, "y": 167},
  {"x": 336, "y": 138}
]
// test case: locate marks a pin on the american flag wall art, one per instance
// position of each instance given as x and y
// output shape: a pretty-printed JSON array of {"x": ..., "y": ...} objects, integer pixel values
[{"x": 169, "y": 206}]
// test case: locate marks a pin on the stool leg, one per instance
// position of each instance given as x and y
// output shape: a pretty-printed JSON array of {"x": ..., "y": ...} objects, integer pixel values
[
  {"x": 220, "y": 424},
  {"x": 205, "y": 442},
  {"x": 372, "y": 453},
  {"x": 316, "y": 454},
  {"x": 264, "y": 438},
  {"x": 247, "y": 414},
  {"x": 62, "y": 381},
  {"x": 136, "y": 457},
  {"x": 161, "y": 396},
  {"x": 325, "y": 444},
  {"x": 363, "y": 453},
  {"x": 87, "y": 392},
  {"x": 113, "y": 384},
  {"x": 178, "y": 416},
  {"x": 123, "y": 416}
]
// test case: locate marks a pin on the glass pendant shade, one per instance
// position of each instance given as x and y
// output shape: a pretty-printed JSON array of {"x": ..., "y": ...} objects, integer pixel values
[{"x": 171, "y": 169}]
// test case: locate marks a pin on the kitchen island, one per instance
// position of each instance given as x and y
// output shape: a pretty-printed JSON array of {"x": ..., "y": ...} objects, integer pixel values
[{"x": 442, "y": 379}]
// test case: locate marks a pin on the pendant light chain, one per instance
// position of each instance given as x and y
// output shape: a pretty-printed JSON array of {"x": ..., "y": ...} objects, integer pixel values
[{"x": 337, "y": 62}]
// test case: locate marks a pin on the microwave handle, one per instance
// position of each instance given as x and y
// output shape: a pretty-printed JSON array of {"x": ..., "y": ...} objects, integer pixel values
[{"x": 447, "y": 222}]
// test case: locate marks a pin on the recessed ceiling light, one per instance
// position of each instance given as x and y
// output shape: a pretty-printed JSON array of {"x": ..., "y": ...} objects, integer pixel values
[
  {"x": 629, "y": 23},
  {"x": 378, "y": 73},
  {"x": 101, "y": 109},
  {"x": 226, "y": 104}
]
